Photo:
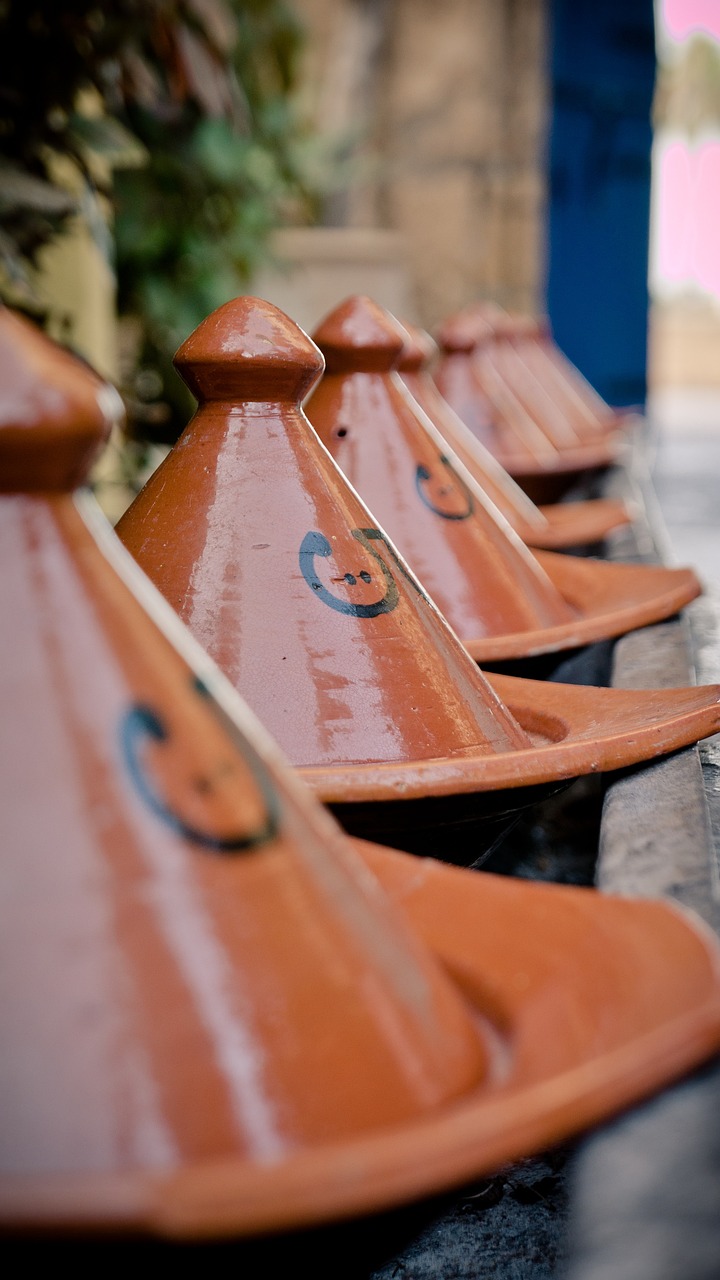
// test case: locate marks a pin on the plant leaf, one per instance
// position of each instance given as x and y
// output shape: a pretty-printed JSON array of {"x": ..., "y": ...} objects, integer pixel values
[
  {"x": 20, "y": 190},
  {"x": 108, "y": 138}
]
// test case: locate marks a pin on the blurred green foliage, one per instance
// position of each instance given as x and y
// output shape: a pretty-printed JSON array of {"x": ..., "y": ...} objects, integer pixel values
[
  {"x": 198, "y": 125},
  {"x": 193, "y": 225}
]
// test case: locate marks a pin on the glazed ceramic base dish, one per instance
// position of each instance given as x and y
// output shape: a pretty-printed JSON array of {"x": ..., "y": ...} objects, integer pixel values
[
  {"x": 557, "y": 1065},
  {"x": 568, "y": 462},
  {"x": 576, "y": 729},
  {"x": 573, "y": 524},
  {"x": 611, "y": 600}
]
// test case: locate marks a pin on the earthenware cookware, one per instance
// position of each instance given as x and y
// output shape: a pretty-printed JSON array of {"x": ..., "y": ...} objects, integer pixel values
[
  {"x": 557, "y": 396},
  {"x": 554, "y": 527},
  {"x": 216, "y": 1021},
  {"x": 469, "y": 380},
  {"x": 551, "y": 414},
  {"x": 254, "y": 536},
  {"x": 533, "y": 336},
  {"x": 503, "y": 601}
]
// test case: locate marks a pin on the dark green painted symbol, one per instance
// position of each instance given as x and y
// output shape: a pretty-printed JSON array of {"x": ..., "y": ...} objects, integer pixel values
[
  {"x": 422, "y": 475},
  {"x": 316, "y": 544},
  {"x": 142, "y": 723}
]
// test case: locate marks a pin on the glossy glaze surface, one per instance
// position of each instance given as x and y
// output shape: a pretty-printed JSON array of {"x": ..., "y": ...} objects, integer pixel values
[
  {"x": 195, "y": 964},
  {"x": 479, "y": 388},
  {"x": 501, "y": 426},
  {"x": 592, "y": 1003},
  {"x": 385, "y": 696},
  {"x": 554, "y": 527},
  {"x": 474, "y": 566},
  {"x": 552, "y": 413},
  {"x": 519, "y": 347},
  {"x": 253, "y": 536},
  {"x": 562, "y": 378},
  {"x": 218, "y": 1016},
  {"x": 503, "y": 601},
  {"x": 52, "y": 424},
  {"x": 418, "y": 354}
]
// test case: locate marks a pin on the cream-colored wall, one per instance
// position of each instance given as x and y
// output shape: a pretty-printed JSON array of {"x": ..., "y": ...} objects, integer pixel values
[
  {"x": 684, "y": 344},
  {"x": 448, "y": 106},
  {"x": 78, "y": 287}
]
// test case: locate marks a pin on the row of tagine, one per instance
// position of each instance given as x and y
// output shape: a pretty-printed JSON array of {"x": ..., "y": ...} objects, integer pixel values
[{"x": 224, "y": 1011}]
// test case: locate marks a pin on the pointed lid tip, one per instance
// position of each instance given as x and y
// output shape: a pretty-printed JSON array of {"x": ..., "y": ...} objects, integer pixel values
[
  {"x": 55, "y": 411},
  {"x": 419, "y": 349},
  {"x": 464, "y": 331},
  {"x": 251, "y": 350},
  {"x": 360, "y": 335}
]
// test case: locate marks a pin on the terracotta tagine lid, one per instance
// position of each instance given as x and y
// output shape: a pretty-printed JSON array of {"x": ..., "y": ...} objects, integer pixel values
[
  {"x": 523, "y": 353},
  {"x": 253, "y": 536},
  {"x": 256, "y": 539},
  {"x": 469, "y": 378},
  {"x": 196, "y": 967},
  {"x": 214, "y": 1019},
  {"x": 554, "y": 527},
  {"x": 488, "y": 409},
  {"x": 563, "y": 379},
  {"x": 553, "y": 414},
  {"x": 502, "y": 601}
]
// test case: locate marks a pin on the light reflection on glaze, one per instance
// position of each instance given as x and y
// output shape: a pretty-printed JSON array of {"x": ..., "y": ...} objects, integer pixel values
[
  {"x": 484, "y": 580},
  {"x": 111, "y": 1079},
  {"x": 177, "y": 901},
  {"x": 250, "y": 481}
]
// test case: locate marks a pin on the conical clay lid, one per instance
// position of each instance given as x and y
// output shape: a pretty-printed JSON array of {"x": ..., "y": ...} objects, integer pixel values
[
  {"x": 553, "y": 527},
  {"x": 418, "y": 489},
  {"x": 477, "y": 387},
  {"x": 196, "y": 965},
  {"x": 475, "y": 567},
  {"x": 488, "y": 409},
  {"x": 253, "y": 536},
  {"x": 562, "y": 378},
  {"x": 214, "y": 1021},
  {"x": 550, "y": 413}
]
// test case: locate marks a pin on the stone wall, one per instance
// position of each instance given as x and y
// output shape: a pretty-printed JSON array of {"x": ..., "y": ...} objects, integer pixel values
[{"x": 442, "y": 113}]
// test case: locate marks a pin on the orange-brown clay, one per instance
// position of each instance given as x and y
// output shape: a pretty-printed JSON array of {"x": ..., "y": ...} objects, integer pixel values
[
  {"x": 589, "y": 1004},
  {"x": 563, "y": 379},
  {"x": 250, "y": 533},
  {"x": 374, "y": 704},
  {"x": 474, "y": 566},
  {"x": 196, "y": 966},
  {"x": 553, "y": 527},
  {"x": 563, "y": 403},
  {"x": 214, "y": 1021},
  {"x": 255, "y": 538},
  {"x": 469, "y": 378},
  {"x": 548, "y": 398},
  {"x": 52, "y": 423}
]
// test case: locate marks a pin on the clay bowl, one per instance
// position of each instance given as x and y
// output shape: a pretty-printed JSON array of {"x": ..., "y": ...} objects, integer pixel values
[
  {"x": 219, "y": 1016},
  {"x": 254, "y": 536},
  {"x": 469, "y": 380},
  {"x": 555, "y": 527},
  {"x": 503, "y": 601}
]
